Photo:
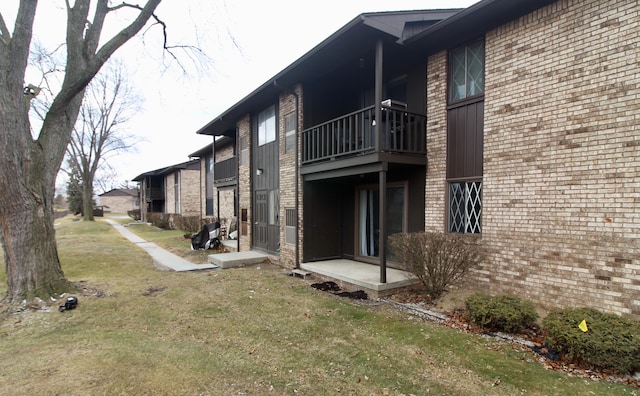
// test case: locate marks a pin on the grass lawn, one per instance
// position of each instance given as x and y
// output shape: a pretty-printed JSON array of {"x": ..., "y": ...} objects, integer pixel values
[{"x": 243, "y": 331}]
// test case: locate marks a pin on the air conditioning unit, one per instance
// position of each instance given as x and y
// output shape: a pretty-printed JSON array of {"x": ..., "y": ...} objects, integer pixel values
[{"x": 394, "y": 104}]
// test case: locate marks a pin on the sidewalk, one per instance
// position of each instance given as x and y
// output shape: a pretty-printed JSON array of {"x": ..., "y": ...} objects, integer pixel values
[{"x": 161, "y": 258}]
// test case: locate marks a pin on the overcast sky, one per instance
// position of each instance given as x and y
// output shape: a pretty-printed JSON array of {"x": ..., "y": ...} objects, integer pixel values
[{"x": 248, "y": 41}]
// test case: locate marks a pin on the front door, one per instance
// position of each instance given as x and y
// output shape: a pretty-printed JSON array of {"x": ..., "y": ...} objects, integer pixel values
[
  {"x": 266, "y": 182},
  {"x": 260, "y": 227}
]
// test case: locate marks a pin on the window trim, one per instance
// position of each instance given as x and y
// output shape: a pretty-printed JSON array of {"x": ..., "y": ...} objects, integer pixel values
[
  {"x": 448, "y": 205},
  {"x": 467, "y": 99},
  {"x": 262, "y": 113}
]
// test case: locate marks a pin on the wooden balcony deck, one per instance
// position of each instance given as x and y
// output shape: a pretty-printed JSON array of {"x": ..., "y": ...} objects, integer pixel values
[{"x": 354, "y": 134}]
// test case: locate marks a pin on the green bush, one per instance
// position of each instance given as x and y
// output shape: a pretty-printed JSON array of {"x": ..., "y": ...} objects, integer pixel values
[
  {"x": 502, "y": 313},
  {"x": 187, "y": 223},
  {"x": 134, "y": 214},
  {"x": 611, "y": 342},
  {"x": 438, "y": 259},
  {"x": 160, "y": 220}
]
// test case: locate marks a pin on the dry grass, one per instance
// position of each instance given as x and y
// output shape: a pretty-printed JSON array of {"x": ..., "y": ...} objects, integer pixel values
[{"x": 244, "y": 331}]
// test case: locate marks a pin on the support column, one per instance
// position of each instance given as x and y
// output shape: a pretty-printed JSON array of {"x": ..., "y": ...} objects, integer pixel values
[
  {"x": 378, "y": 94},
  {"x": 382, "y": 214}
]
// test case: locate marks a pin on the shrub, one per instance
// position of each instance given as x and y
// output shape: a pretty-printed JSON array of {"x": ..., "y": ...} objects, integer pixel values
[
  {"x": 502, "y": 313},
  {"x": 190, "y": 224},
  {"x": 134, "y": 214},
  {"x": 437, "y": 259},
  {"x": 160, "y": 220},
  {"x": 611, "y": 342}
]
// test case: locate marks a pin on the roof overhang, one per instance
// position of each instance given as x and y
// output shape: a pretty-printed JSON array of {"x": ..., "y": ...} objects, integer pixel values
[
  {"x": 169, "y": 169},
  {"x": 472, "y": 23},
  {"x": 326, "y": 56}
]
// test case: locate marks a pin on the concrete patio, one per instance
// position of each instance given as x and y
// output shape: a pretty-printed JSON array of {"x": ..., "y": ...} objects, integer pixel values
[{"x": 363, "y": 275}]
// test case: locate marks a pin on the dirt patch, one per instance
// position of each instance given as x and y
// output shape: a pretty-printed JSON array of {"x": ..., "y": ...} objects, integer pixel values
[
  {"x": 153, "y": 291},
  {"x": 330, "y": 286}
]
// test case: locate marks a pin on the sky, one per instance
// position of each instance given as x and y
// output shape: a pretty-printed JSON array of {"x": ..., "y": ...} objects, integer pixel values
[{"x": 246, "y": 41}]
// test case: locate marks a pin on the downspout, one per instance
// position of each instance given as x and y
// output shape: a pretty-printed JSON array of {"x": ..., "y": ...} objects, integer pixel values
[
  {"x": 297, "y": 163},
  {"x": 382, "y": 176},
  {"x": 213, "y": 177},
  {"x": 237, "y": 188}
]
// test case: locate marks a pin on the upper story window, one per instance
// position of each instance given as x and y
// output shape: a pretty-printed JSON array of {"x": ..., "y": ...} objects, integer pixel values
[
  {"x": 267, "y": 125},
  {"x": 466, "y": 68}
]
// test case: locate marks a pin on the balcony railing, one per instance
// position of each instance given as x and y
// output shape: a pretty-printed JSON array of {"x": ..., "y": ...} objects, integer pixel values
[
  {"x": 225, "y": 171},
  {"x": 354, "y": 134},
  {"x": 154, "y": 193}
]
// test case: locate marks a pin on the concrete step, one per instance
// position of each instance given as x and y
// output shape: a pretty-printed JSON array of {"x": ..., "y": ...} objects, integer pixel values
[
  {"x": 237, "y": 259},
  {"x": 300, "y": 272}
]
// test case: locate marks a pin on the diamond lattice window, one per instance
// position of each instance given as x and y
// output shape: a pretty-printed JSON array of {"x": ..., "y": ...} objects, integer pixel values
[
  {"x": 467, "y": 71},
  {"x": 465, "y": 207}
]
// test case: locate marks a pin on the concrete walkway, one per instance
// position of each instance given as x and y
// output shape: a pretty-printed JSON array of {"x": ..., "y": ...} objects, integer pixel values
[{"x": 161, "y": 258}]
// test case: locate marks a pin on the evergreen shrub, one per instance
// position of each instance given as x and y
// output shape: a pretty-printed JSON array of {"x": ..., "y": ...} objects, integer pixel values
[
  {"x": 501, "y": 313},
  {"x": 610, "y": 342}
]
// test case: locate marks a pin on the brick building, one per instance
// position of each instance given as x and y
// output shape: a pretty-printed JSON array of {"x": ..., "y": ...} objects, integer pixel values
[
  {"x": 119, "y": 200},
  {"x": 174, "y": 189},
  {"x": 513, "y": 121}
]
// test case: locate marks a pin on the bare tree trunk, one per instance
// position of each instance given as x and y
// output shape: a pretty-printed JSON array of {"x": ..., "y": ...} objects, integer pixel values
[
  {"x": 87, "y": 198},
  {"x": 28, "y": 167},
  {"x": 26, "y": 215}
]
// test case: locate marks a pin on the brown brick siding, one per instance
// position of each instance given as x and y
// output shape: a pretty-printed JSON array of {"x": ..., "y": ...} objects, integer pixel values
[
  {"x": 190, "y": 197},
  {"x": 560, "y": 217},
  {"x": 244, "y": 182},
  {"x": 288, "y": 176}
]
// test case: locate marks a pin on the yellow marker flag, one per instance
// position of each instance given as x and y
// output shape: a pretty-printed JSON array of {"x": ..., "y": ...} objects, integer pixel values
[{"x": 583, "y": 325}]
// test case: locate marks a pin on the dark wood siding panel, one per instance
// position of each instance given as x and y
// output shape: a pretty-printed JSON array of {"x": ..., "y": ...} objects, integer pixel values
[
  {"x": 465, "y": 125},
  {"x": 322, "y": 220}
]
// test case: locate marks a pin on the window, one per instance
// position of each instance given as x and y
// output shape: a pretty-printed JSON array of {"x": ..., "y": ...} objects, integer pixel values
[
  {"x": 290, "y": 132},
  {"x": 176, "y": 187},
  {"x": 465, "y": 207},
  {"x": 466, "y": 68},
  {"x": 465, "y": 138},
  {"x": 244, "y": 150},
  {"x": 274, "y": 207},
  {"x": 267, "y": 126}
]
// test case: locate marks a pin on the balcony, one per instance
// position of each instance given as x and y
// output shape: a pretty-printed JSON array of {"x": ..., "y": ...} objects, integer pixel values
[
  {"x": 154, "y": 193},
  {"x": 354, "y": 134},
  {"x": 225, "y": 172}
]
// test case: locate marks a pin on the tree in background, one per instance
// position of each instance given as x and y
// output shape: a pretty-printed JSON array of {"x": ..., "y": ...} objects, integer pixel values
[
  {"x": 74, "y": 191},
  {"x": 30, "y": 162},
  {"x": 99, "y": 134}
]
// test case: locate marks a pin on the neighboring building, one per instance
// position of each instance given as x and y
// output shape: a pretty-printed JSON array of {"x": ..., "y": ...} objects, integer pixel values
[
  {"x": 174, "y": 189},
  {"x": 119, "y": 200},
  {"x": 512, "y": 121},
  {"x": 219, "y": 180}
]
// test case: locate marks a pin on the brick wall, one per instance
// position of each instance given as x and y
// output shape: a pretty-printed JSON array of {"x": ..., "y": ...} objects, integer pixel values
[
  {"x": 561, "y": 190},
  {"x": 224, "y": 153},
  {"x": 190, "y": 198},
  {"x": 119, "y": 204},
  {"x": 169, "y": 193},
  {"x": 244, "y": 182},
  {"x": 435, "y": 190},
  {"x": 287, "y": 106}
]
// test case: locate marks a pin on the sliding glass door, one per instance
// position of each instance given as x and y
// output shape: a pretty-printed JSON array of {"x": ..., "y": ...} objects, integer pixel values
[{"x": 369, "y": 217}]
